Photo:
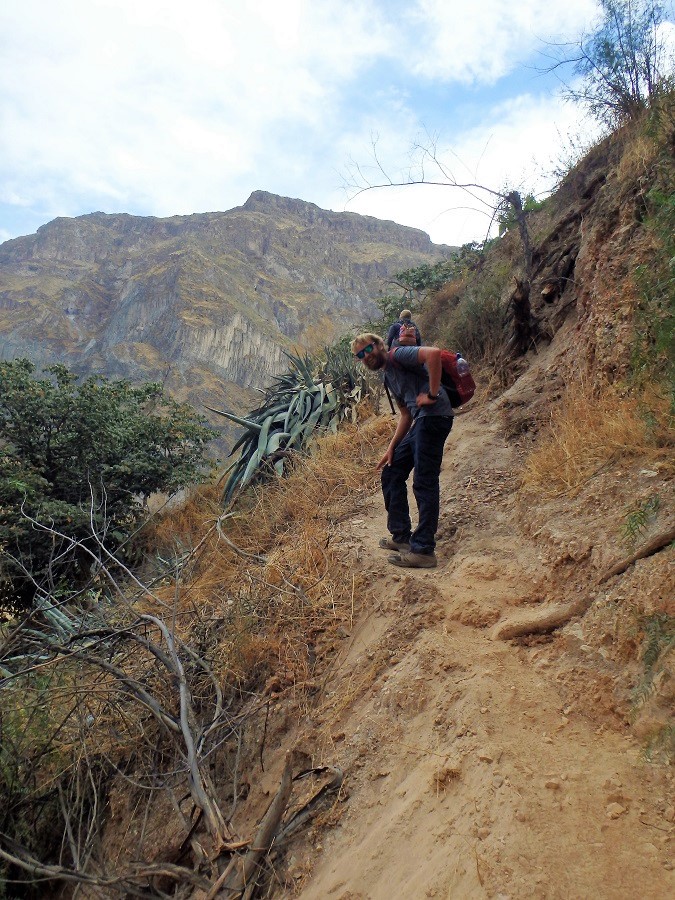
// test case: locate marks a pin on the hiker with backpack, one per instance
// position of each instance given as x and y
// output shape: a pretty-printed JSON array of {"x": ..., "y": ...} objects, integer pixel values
[
  {"x": 403, "y": 332},
  {"x": 413, "y": 376}
]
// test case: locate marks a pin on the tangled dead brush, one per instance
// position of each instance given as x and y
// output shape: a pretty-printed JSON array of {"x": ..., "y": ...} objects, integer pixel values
[{"x": 151, "y": 697}]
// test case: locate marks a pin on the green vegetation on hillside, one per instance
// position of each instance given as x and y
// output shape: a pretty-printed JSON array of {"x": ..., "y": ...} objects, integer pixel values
[
  {"x": 313, "y": 396},
  {"x": 654, "y": 346},
  {"x": 76, "y": 462}
]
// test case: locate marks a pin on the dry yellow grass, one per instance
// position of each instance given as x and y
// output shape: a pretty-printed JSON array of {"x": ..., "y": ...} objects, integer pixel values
[
  {"x": 645, "y": 138},
  {"x": 638, "y": 156},
  {"x": 268, "y": 586},
  {"x": 590, "y": 430}
]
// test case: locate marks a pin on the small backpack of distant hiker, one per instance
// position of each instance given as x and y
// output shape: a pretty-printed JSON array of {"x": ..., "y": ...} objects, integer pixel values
[
  {"x": 407, "y": 336},
  {"x": 456, "y": 376}
]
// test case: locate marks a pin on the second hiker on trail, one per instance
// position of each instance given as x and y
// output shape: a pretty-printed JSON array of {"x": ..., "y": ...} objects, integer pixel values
[
  {"x": 413, "y": 375},
  {"x": 403, "y": 326}
]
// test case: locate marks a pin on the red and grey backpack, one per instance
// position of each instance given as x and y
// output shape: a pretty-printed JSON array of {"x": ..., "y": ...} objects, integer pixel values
[{"x": 456, "y": 376}]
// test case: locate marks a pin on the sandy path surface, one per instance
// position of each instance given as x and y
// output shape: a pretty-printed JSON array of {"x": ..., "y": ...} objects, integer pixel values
[{"x": 468, "y": 774}]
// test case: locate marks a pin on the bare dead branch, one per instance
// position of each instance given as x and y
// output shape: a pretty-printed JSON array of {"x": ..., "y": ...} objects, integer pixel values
[
  {"x": 125, "y": 883},
  {"x": 239, "y": 876},
  {"x": 200, "y": 783}
]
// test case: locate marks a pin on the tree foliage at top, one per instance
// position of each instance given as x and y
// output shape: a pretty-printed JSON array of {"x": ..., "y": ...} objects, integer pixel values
[
  {"x": 624, "y": 64},
  {"x": 428, "y": 277},
  {"x": 420, "y": 281},
  {"x": 507, "y": 213},
  {"x": 80, "y": 458}
]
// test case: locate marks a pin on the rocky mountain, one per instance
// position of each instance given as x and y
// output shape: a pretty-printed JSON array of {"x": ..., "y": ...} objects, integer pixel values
[{"x": 206, "y": 303}]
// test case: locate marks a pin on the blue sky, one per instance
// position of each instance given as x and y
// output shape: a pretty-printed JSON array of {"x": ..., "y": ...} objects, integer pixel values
[{"x": 160, "y": 107}]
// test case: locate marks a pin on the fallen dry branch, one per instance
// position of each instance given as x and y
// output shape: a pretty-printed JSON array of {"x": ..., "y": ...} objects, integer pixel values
[
  {"x": 652, "y": 546},
  {"x": 241, "y": 871},
  {"x": 127, "y": 884},
  {"x": 239, "y": 878},
  {"x": 308, "y": 810},
  {"x": 540, "y": 620}
]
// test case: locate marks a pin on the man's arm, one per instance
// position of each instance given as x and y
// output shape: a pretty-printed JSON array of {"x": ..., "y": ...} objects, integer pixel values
[
  {"x": 431, "y": 358},
  {"x": 402, "y": 428}
]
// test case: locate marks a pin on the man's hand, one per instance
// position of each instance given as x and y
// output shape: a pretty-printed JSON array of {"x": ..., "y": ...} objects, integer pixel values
[
  {"x": 386, "y": 459},
  {"x": 402, "y": 428},
  {"x": 425, "y": 400}
]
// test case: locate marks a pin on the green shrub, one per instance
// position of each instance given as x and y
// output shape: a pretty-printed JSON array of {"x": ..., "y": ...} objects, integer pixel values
[
  {"x": 475, "y": 326},
  {"x": 30, "y": 767},
  {"x": 507, "y": 215},
  {"x": 80, "y": 458},
  {"x": 653, "y": 352},
  {"x": 638, "y": 519}
]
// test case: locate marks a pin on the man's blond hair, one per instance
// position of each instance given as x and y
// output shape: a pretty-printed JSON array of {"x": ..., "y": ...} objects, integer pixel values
[{"x": 366, "y": 338}]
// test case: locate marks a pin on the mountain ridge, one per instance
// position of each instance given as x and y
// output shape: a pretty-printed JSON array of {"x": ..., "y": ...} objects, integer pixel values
[{"x": 208, "y": 303}]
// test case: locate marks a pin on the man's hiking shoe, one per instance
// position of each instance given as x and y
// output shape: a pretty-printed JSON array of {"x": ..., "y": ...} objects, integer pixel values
[
  {"x": 391, "y": 544},
  {"x": 414, "y": 560}
]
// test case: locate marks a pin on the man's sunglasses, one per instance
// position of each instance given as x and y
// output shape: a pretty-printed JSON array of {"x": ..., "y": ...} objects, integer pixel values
[{"x": 367, "y": 349}]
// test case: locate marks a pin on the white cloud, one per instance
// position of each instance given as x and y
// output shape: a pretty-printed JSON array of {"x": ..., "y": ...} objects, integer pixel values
[
  {"x": 158, "y": 107},
  {"x": 488, "y": 39},
  {"x": 148, "y": 100},
  {"x": 666, "y": 35}
]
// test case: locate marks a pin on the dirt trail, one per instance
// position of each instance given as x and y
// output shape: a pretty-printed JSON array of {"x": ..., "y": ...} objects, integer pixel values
[{"x": 468, "y": 774}]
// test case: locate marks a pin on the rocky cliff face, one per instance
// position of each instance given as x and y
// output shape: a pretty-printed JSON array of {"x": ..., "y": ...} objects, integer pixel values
[{"x": 206, "y": 303}]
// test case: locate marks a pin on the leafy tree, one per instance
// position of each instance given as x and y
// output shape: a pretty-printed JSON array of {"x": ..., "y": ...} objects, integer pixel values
[
  {"x": 507, "y": 212},
  {"x": 424, "y": 278},
  {"x": 428, "y": 278},
  {"x": 81, "y": 458},
  {"x": 390, "y": 306},
  {"x": 624, "y": 63},
  {"x": 417, "y": 283}
]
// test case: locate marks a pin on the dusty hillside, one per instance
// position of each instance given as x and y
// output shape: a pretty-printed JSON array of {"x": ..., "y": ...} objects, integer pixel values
[
  {"x": 504, "y": 723},
  {"x": 499, "y": 727},
  {"x": 479, "y": 767}
]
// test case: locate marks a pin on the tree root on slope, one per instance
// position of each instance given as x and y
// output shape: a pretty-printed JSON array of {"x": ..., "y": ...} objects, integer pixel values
[
  {"x": 658, "y": 542},
  {"x": 552, "y": 616},
  {"x": 539, "y": 621}
]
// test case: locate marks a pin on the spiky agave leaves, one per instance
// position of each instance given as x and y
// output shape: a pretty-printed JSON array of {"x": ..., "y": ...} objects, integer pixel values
[{"x": 297, "y": 404}]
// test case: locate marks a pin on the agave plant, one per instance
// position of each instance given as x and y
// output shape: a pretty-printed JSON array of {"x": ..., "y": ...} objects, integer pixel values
[{"x": 311, "y": 396}]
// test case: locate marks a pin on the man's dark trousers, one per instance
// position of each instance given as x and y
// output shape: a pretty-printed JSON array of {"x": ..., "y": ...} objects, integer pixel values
[{"x": 420, "y": 451}]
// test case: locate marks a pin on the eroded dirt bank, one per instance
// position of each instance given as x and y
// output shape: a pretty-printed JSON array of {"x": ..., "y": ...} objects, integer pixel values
[{"x": 478, "y": 767}]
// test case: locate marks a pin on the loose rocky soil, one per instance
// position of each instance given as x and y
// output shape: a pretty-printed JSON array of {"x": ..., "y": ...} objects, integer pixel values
[{"x": 478, "y": 767}]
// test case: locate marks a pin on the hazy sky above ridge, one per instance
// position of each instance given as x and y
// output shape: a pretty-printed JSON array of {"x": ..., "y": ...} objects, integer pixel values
[{"x": 159, "y": 107}]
